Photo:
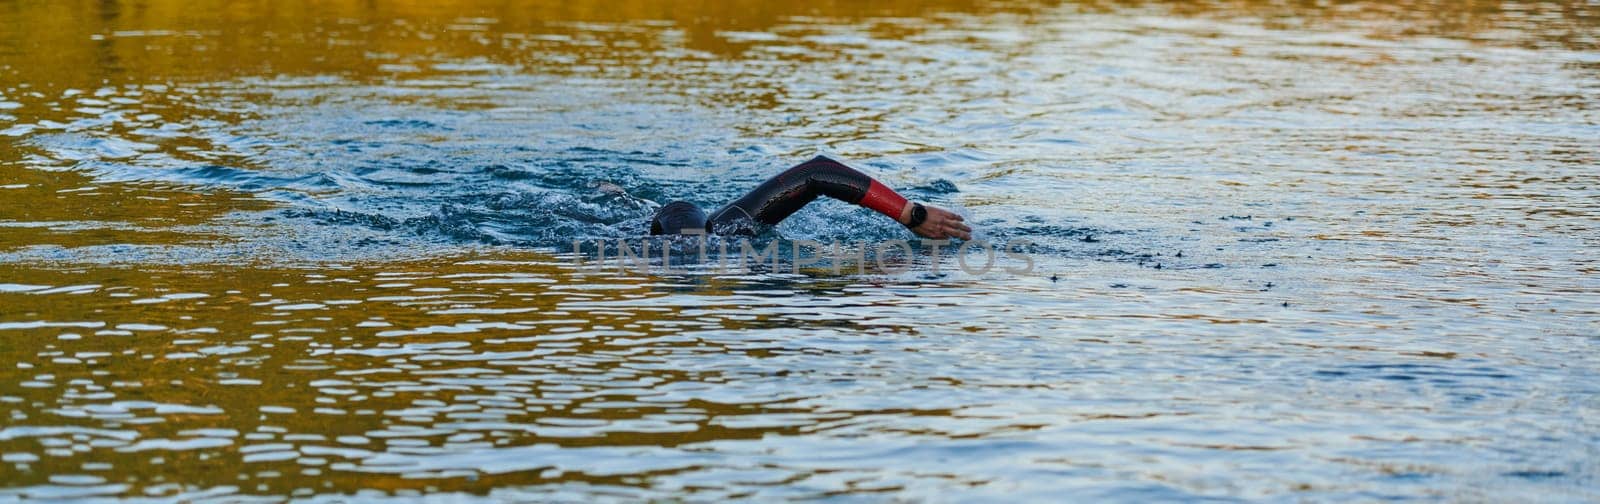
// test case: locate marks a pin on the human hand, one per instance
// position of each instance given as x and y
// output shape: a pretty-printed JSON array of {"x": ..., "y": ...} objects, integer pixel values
[{"x": 941, "y": 224}]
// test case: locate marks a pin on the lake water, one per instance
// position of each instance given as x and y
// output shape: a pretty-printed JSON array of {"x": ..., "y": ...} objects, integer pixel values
[{"x": 323, "y": 250}]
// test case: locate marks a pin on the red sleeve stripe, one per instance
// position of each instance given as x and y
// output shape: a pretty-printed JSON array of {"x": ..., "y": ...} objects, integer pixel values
[{"x": 884, "y": 200}]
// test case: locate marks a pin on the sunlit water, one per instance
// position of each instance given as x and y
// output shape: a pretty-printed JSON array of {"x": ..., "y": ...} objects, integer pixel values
[{"x": 321, "y": 250}]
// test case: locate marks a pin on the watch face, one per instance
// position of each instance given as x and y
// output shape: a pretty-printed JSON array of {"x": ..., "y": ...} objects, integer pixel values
[{"x": 919, "y": 214}]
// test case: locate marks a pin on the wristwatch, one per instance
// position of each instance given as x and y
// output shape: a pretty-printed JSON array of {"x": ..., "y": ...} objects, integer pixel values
[{"x": 919, "y": 213}]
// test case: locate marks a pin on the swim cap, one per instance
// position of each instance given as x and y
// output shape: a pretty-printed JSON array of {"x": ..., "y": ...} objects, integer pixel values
[{"x": 677, "y": 216}]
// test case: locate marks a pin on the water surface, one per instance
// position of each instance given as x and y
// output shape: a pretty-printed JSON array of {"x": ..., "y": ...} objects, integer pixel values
[{"x": 1282, "y": 252}]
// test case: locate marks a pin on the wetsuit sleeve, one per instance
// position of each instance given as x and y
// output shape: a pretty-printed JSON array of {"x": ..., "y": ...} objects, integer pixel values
[{"x": 787, "y": 192}]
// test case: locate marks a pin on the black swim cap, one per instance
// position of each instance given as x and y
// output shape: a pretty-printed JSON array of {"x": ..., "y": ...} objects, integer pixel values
[{"x": 677, "y": 216}]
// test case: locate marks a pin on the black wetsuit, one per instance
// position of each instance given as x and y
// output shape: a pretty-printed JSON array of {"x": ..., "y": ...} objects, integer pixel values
[{"x": 779, "y": 197}]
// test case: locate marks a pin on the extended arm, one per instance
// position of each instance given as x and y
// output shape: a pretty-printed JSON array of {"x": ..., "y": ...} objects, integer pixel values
[{"x": 787, "y": 192}]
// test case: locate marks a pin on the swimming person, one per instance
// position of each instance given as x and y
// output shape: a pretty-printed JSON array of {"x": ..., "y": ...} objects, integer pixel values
[{"x": 785, "y": 193}]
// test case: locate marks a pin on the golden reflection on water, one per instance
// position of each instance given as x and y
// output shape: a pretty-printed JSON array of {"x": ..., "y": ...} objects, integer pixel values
[
  {"x": 89, "y": 43},
  {"x": 85, "y": 43},
  {"x": 254, "y": 376}
]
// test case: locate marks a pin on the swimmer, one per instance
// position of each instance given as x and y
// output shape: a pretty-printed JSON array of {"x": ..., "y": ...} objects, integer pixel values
[{"x": 785, "y": 193}]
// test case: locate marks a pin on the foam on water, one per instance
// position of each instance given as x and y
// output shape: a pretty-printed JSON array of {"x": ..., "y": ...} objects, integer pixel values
[{"x": 520, "y": 172}]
